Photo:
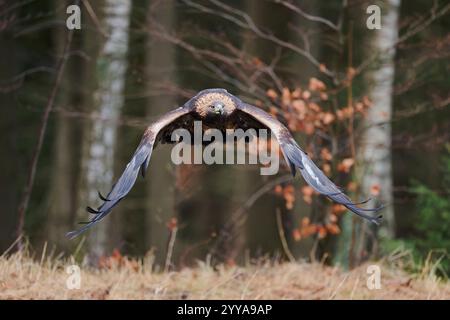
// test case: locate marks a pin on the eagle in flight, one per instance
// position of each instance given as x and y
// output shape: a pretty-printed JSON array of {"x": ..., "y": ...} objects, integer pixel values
[{"x": 218, "y": 109}]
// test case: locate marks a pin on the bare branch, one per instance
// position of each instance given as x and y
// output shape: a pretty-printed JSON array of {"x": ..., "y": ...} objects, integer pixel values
[
  {"x": 41, "y": 134},
  {"x": 307, "y": 16},
  {"x": 246, "y": 22}
]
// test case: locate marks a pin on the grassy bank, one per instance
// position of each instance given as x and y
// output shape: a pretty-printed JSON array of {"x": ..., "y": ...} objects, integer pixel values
[{"x": 22, "y": 277}]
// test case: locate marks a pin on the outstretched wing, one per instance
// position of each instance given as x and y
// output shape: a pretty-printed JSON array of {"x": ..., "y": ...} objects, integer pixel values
[
  {"x": 296, "y": 158},
  {"x": 139, "y": 161}
]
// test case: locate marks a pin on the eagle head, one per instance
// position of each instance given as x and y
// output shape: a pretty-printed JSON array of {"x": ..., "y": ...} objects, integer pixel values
[{"x": 213, "y": 103}]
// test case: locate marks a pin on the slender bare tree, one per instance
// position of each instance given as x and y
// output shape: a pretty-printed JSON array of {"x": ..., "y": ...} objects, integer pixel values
[
  {"x": 98, "y": 160},
  {"x": 160, "y": 71},
  {"x": 376, "y": 142},
  {"x": 62, "y": 204}
]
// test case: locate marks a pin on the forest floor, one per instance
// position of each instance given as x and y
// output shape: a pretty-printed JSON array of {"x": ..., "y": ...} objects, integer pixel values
[{"x": 22, "y": 277}]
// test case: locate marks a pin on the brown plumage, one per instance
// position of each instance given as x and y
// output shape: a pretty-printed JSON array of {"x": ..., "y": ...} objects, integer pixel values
[{"x": 217, "y": 108}]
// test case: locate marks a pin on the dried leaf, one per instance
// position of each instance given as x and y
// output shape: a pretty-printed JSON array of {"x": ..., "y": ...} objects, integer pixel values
[
  {"x": 305, "y": 222},
  {"x": 272, "y": 94},
  {"x": 352, "y": 186},
  {"x": 375, "y": 190},
  {"x": 316, "y": 85},
  {"x": 296, "y": 235},
  {"x": 286, "y": 97},
  {"x": 322, "y": 67},
  {"x": 323, "y": 96},
  {"x": 346, "y": 165},
  {"x": 322, "y": 232},
  {"x": 306, "y": 94},
  {"x": 333, "y": 228},
  {"x": 325, "y": 154},
  {"x": 337, "y": 209},
  {"x": 327, "y": 169},
  {"x": 172, "y": 224},
  {"x": 328, "y": 118},
  {"x": 278, "y": 189},
  {"x": 297, "y": 93},
  {"x": 309, "y": 128},
  {"x": 351, "y": 73}
]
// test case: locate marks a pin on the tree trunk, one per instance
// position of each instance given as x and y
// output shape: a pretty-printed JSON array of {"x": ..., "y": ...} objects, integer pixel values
[
  {"x": 63, "y": 179},
  {"x": 98, "y": 164},
  {"x": 376, "y": 142},
  {"x": 160, "y": 70},
  {"x": 10, "y": 181}
]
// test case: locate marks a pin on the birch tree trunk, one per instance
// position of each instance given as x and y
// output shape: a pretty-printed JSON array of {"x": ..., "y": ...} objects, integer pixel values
[
  {"x": 376, "y": 143},
  {"x": 98, "y": 161}
]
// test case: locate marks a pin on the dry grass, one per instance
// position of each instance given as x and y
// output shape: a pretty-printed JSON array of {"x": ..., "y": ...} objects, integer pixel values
[{"x": 24, "y": 278}]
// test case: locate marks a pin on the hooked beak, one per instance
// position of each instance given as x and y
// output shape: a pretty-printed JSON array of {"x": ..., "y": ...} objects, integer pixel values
[{"x": 218, "y": 108}]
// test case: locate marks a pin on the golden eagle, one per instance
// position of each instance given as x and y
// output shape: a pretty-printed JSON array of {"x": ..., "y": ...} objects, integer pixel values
[{"x": 217, "y": 108}]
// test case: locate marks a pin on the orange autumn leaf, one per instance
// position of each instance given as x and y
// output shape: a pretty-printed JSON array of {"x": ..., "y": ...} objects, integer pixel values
[
  {"x": 296, "y": 235},
  {"x": 278, "y": 189},
  {"x": 322, "y": 232},
  {"x": 333, "y": 218},
  {"x": 299, "y": 106},
  {"x": 333, "y": 228},
  {"x": 375, "y": 189},
  {"x": 351, "y": 73},
  {"x": 351, "y": 186},
  {"x": 316, "y": 85},
  {"x": 286, "y": 96},
  {"x": 297, "y": 93},
  {"x": 271, "y": 94},
  {"x": 337, "y": 208},
  {"x": 323, "y": 96},
  {"x": 366, "y": 101},
  {"x": 325, "y": 154},
  {"x": 309, "y": 128},
  {"x": 172, "y": 224},
  {"x": 328, "y": 118},
  {"x": 289, "y": 188},
  {"x": 345, "y": 113},
  {"x": 307, "y": 196},
  {"x": 307, "y": 190},
  {"x": 305, "y": 222},
  {"x": 327, "y": 169},
  {"x": 306, "y": 94},
  {"x": 117, "y": 260},
  {"x": 230, "y": 262},
  {"x": 314, "y": 107},
  {"x": 289, "y": 205},
  {"x": 308, "y": 230},
  {"x": 359, "y": 106},
  {"x": 289, "y": 197},
  {"x": 273, "y": 111},
  {"x": 257, "y": 62},
  {"x": 259, "y": 103},
  {"x": 346, "y": 165}
]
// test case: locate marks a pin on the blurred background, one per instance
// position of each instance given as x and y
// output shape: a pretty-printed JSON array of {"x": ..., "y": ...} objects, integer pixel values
[{"x": 370, "y": 105}]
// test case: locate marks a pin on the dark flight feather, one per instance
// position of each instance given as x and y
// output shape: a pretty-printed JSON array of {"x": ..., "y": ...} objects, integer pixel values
[
  {"x": 296, "y": 158},
  {"x": 139, "y": 162},
  {"x": 233, "y": 114}
]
